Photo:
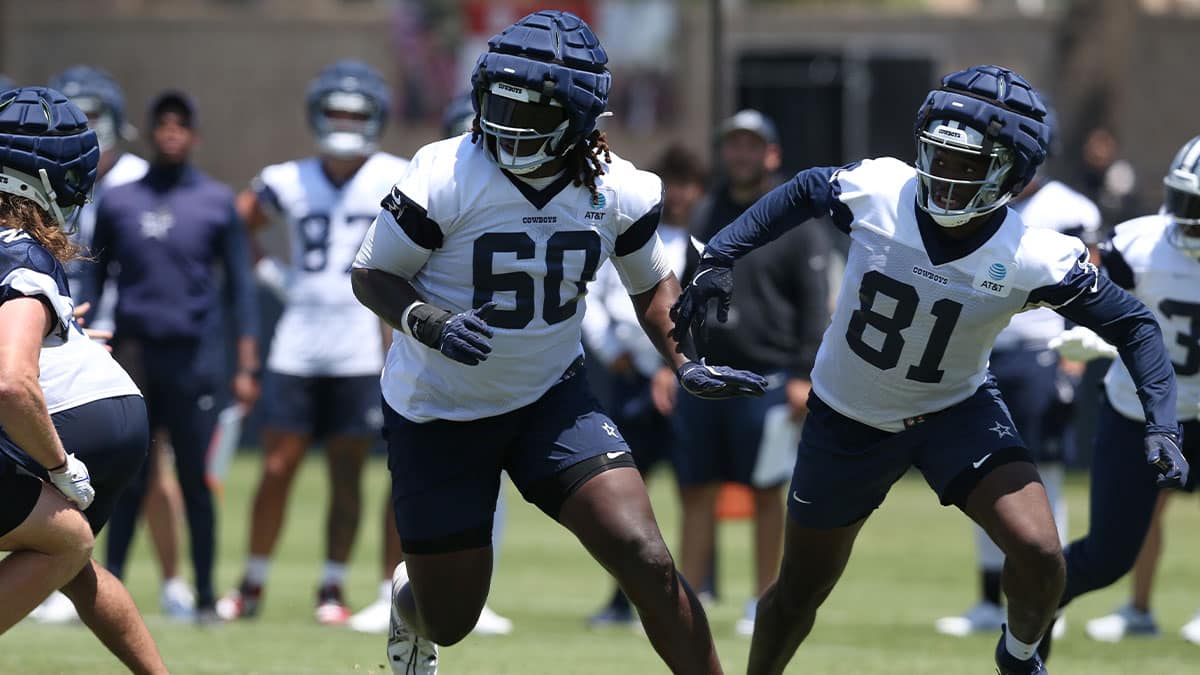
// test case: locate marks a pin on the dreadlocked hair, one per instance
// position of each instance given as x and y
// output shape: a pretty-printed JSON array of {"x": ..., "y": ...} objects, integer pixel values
[
  {"x": 24, "y": 214},
  {"x": 582, "y": 161}
]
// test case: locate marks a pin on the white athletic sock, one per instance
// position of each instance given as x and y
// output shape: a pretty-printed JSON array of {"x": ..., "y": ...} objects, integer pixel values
[
  {"x": 333, "y": 573},
  {"x": 385, "y": 590},
  {"x": 257, "y": 568},
  {"x": 1018, "y": 649}
]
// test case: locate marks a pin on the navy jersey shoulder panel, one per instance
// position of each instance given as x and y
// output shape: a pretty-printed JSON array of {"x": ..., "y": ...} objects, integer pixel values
[
  {"x": 1082, "y": 278},
  {"x": 1117, "y": 267},
  {"x": 838, "y": 211},
  {"x": 640, "y": 232},
  {"x": 413, "y": 219}
]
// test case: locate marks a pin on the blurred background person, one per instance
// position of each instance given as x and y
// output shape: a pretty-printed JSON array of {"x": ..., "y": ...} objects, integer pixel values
[
  {"x": 779, "y": 311},
  {"x": 1108, "y": 179},
  {"x": 166, "y": 231},
  {"x": 99, "y": 96},
  {"x": 643, "y": 388},
  {"x": 1038, "y": 388},
  {"x": 322, "y": 374}
]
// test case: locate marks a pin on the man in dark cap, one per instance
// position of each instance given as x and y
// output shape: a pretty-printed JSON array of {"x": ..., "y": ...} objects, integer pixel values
[{"x": 166, "y": 231}]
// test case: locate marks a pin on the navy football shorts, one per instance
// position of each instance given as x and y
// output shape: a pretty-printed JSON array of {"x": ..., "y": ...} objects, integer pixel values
[
  {"x": 322, "y": 407},
  {"x": 748, "y": 440},
  {"x": 446, "y": 474},
  {"x": 111, "y": 436},
  {"x": 844, "y": 468},
  {"x": 1027, "y": 378}
]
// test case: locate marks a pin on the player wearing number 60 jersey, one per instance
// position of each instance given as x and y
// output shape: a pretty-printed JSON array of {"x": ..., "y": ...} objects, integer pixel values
[
  {"x": 480, "y": 259},
  {"x": 937, "y": 266}
]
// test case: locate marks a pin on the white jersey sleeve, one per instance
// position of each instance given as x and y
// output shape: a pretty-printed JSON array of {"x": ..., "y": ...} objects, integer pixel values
[{"x": 638, "y": 256}]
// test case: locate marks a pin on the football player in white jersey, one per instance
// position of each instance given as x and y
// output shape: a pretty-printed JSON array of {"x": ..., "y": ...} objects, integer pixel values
[
  {"x": 937, "y": 266},
  {"x": 61, "y": 390},
  {"x": 322, "y": 379},
  {"x": 1157, "y": 258},
  {"x": 479, "y": 260},
  {"x": 1036, "y": 387},
  {"x": 95, "y": 92}
]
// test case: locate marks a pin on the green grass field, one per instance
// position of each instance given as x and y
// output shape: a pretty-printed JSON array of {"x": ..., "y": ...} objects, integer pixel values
[{"x": 914, "y": 563}]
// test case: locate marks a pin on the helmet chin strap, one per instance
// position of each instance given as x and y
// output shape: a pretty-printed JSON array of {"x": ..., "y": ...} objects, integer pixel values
[{"x": 953, "y": 220}]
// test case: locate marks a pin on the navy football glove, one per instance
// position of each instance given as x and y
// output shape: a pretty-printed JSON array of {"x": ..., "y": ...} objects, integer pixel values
[
  {"x": 463, "y": 337},
  {"x": 713, "y": 279},
  {"x": 705, "y": 381},
  {"x": 1163, "y": 453}
]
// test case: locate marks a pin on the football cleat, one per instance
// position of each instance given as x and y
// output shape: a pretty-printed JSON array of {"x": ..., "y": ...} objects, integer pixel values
[
  {"x": 491, "y": 623},
  {"x": 242, "y": 603},
  {"x": 331, "y": 610},
  {"x": 408, "y": 653},
  {"x": 56, "y": 609},
  {"x": 1125, "y": 622},
  {"x": 612, "y": 615},
  {"x": 1007, "y": 664},
  {"x": 176, "y": 600},
  {"x": 983, "y": 617}
]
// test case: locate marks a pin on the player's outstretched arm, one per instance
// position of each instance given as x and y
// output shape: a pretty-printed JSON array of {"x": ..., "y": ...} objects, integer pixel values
[
  {"x": 808, "y": 194},
  {"x": 699, "y": 379},
  {"x": 1123, "y": 321}
]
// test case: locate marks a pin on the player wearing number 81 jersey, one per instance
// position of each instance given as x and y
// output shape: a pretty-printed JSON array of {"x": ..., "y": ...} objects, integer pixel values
[{"x": 937, "y": 267}]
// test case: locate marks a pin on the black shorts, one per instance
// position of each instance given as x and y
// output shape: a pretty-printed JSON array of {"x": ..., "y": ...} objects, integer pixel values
[
  {"x": 19, "y": 493},
  {"x": 111, "y": 436},
  {"x": 322, "y": 407}
]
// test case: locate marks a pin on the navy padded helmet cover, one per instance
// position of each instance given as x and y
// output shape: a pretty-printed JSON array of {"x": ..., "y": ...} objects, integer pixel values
[
  {"x": 1001, "y": 104},
  {"x": 556, "y": 54},
  {"x": 41, "y": 129}
]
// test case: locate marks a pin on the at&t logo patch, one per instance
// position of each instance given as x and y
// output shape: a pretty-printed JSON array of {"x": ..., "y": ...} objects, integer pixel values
[{"x": 991, "y": 280}]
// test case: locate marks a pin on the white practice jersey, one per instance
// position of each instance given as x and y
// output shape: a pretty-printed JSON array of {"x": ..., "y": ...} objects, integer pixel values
[
  {"x": 1168, "y": 282},
  {"x": 611, "y": 327},
  {"x": 911, "y": 336},
  {"x": 324, "y": 331},
  {"x": 74, "y": 370},
  {"x": 1058, "y": 207},
  {"x": 469, "y": 233}
]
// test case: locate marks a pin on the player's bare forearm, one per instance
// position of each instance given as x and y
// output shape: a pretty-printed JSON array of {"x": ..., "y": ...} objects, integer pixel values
[
  {"x": 654, "y": 313},
  {"x": 385, "y": 294},
  {"x": 23, "y": 414},
  {"x": 247, "y": 354}
]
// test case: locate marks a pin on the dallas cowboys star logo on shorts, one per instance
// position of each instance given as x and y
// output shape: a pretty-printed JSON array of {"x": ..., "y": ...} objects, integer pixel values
[
  {"x": 609, "y": 429},
  {"x": 1001, "y": 430}
]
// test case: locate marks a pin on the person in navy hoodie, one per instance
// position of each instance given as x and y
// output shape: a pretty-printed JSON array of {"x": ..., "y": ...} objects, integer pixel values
[{"x": 166, "y": 232}]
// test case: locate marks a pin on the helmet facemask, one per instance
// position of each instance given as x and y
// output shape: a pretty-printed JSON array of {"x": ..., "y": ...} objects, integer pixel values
[
  {"x": 522, "y": 131},
  {"x": 348, "y": 125},
  {"x": 1182, "y": 203},
  {"x": 953, "y": 200}
]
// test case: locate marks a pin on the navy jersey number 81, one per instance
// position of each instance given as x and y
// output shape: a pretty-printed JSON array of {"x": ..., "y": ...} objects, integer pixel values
[{"x": 887, "y": 357}]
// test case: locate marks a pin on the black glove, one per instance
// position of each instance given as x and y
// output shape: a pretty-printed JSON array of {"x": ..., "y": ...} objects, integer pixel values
[
  {"x": 713, "y": 279},
  {"x": 705, "y": 381},
  {"x": 462, "y": 337},
  {"x": 1163, "y": 453}
]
